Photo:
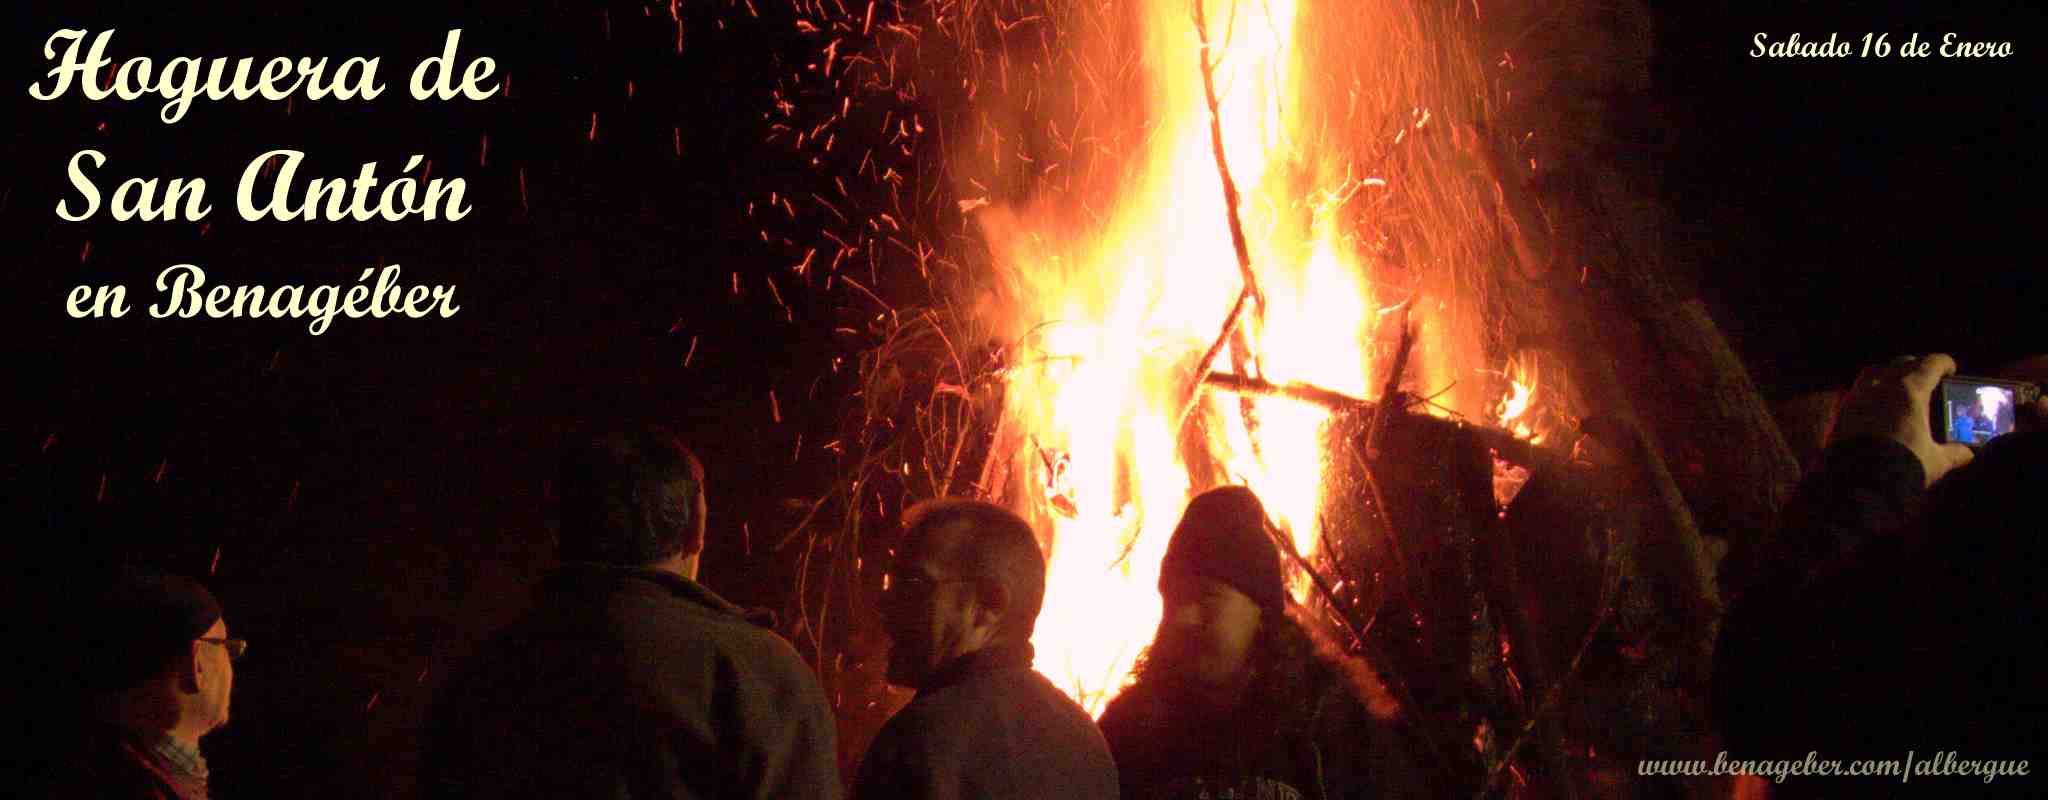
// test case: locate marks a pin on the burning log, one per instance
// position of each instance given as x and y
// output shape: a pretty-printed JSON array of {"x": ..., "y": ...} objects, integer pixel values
[
  {"x": 1698, "y": 449},
  {"x": 1751, "y": 463},
  {"x": 1562, "y": 620},
  {"x": 1655, "y": 661},
  {"x": 1435, "y": 500},
  {"x": 1507, "y": 445},
  {"x": 1477, "y": 606},
  {"x": 1392, "y": 385},
  {"x": 1680, "y": 564},
  {"x": 1426, "y": 484},
  {"x": 1111, "y": 261},
  {"x": 1589, "y": 532},
  {"x": 1525, "y": 647},
  {"x": 1243, "y": 359}
]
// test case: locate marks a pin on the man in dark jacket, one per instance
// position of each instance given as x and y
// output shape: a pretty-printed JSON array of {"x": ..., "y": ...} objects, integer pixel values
[
  {"x": 157, "y": 673},
  {"x": 1234, "y": 700},
  {"x": 630, "y": 679},
  {"x": 961, "y": 600},
  {"x": 1903, "y": 616}
]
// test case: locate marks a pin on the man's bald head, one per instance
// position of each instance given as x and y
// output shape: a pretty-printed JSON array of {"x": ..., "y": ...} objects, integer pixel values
[{"x": 988, "y": 543}]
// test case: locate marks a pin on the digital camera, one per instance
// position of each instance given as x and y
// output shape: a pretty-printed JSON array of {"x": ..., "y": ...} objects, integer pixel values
[{"x": 1974, "y": 411}]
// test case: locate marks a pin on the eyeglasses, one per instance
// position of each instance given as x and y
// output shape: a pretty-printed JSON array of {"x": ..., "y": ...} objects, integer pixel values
[{"x": 235, "y": 647}]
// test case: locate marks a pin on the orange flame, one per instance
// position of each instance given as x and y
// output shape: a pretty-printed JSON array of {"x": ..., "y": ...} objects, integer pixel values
[
  {"x": 1113, "y": 299},
  {"x": 1514, "y": 408}
]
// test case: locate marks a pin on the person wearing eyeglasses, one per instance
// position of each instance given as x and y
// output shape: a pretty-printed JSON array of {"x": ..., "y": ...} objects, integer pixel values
[
  {"x": 959, "y": 604},
  {"x": 629, "y": 679},
  {"x": 157, "y": 668}
]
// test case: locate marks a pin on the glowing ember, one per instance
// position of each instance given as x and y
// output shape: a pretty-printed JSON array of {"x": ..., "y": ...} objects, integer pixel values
[
  {"x": 1512, "y": 413},
  {"x": 1514, "y": 408}
]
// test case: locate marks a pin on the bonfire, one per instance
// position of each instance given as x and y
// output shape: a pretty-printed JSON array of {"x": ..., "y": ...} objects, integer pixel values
[{"x": 1112, "y": 254}]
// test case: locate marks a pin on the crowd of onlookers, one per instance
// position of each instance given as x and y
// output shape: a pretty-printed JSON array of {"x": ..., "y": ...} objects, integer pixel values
[{"x": 1899, "y": 616}]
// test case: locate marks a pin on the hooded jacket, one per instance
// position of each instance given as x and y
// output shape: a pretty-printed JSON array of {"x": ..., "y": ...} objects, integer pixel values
[{"x": 1319, "y": 742}]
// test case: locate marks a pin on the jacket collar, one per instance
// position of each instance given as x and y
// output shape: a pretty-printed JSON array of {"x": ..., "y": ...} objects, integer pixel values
[
  {"x": 182, "y": 757},
  {"x": 592, "y": 576},
  {"x": 987, "y": 659}
]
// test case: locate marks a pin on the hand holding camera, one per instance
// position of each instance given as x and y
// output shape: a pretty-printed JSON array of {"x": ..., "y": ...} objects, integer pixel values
[
  {"x": 1893, "y": 401},
  {"x": 1942, "y": 417}
]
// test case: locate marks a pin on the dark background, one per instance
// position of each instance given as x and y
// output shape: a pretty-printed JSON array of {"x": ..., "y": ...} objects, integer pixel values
[
  {"x": 370, "y": 501},
  {"x": 1855, "y": 209}
]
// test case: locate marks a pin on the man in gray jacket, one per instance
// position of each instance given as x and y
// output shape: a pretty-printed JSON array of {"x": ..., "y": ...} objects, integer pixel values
[
  {"x": 959, "y": 605},
  {"x": 629, "y": 679}
]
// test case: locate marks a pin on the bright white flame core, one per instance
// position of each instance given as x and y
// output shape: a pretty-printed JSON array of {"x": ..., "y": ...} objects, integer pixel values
[{"x": 1130, "y": 307}]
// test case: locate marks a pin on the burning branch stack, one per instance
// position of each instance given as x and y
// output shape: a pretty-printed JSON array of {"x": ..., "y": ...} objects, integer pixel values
[
  {"x": 1602, "y": 564},
  {"x": 1541, "y": 642}
]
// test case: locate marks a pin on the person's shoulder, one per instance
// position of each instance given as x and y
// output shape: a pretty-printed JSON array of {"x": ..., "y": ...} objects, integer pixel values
[
  {"x": 782, "y": 666},
  {"x": 671, "y": 611},
  {"x": 93, "y": 761},
  {"x": 1129, "y": 714},
  {"x": 737, "y": 636},
  {"x": 1020, "y": 690},
  {"x": 1055, "y": 702},
  {"x": 757, "y": 661},
  {"x": 934, "y": 712},
  {"x": 662, "y": 631},
  {"x": 915, "y": 734}
]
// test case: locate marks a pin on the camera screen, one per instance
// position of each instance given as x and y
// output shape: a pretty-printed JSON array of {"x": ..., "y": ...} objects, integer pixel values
[{"x": 1976, "y": 412}]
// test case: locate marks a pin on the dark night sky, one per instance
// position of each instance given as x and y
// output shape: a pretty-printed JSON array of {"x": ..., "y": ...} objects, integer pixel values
[
  {"x": 373, "y": 491},
  {"x": 1859, "y": 208}
]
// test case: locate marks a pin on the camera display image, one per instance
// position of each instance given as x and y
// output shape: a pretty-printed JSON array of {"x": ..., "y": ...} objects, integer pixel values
[{"x": 1976, "y": 412}]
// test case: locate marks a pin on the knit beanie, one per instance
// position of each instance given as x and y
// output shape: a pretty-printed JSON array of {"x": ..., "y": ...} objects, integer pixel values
[
  {"x": 1222, "y": 536},
  {"x": 139, "y": 619}
]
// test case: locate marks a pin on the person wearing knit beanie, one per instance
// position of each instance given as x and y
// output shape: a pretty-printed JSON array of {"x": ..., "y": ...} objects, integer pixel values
[
  {"x": 1220, "y": 582},
  {"x": 1222, "y": 536},
  {"x": 1236, "y": 697}
]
